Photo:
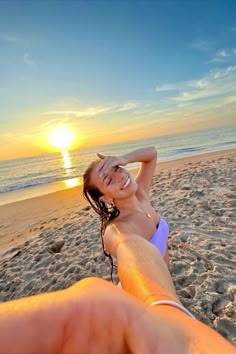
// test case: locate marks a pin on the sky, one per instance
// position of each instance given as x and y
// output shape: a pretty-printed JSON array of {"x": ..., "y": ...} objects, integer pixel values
[{"x": 113, "y": 71}]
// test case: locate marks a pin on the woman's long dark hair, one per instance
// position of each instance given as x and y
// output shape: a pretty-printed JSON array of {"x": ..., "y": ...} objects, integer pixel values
[{"x": 105, "y": 211}]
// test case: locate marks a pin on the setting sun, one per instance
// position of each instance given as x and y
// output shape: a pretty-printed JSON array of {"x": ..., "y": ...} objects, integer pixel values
[{"x": 61, "y": 138}]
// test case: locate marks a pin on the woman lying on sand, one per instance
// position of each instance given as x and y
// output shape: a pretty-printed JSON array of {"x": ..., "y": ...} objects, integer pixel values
[{"x": 122, "y": 201}]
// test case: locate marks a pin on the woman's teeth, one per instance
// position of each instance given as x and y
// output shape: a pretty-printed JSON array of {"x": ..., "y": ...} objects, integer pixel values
[{"x": 126, "y": 183}]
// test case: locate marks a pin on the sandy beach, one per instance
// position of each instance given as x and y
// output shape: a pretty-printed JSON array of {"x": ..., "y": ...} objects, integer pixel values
[{"x": 49, "y": 242}]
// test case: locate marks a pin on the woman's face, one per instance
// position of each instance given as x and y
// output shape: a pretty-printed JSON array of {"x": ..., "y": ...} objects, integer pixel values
[{"x": 116, "y": 184}]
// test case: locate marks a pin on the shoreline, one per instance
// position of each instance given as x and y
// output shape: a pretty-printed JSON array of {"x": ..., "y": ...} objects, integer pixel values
[{"x": 58, "y": 186}]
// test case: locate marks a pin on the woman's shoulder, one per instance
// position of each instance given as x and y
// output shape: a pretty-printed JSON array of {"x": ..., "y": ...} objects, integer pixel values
[
  {"x": 113, "y": 235},
  {"x": 116, "y": 227}
]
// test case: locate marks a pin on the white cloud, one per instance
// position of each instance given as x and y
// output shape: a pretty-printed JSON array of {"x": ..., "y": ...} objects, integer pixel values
[
  {"x": 157, "y": 111},
  {"x": 93, "y": 111},
  {"x": 180, "y": 86},
  {"x": 217, "y": 60},
  {"x": 13, "y": 39},
  {"x": 90, "y": 112},
  {"x": 234, "y": 51},
  {"x": 183, "y": 105},
  {"x": 125, "y": 106},
  {"x": 216, "y": 82},
  {"x": 199, "y": 84},
  {"x": 167, "y": 87},
  {"x": 221, "y": 56},
  {"x": 54, "y": 121},
  {"x": 28, "y": 61},
  {"x": 222, "y": 53},
  {"x": 218, "y": 74},
  {"x": 201, "y": 45}
]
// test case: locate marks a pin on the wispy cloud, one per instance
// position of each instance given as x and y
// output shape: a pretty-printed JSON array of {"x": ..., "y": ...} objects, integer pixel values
[
  {"x": 216, "y": 82},
  {"x": 234, "y": 51},
  {"x": 54, "y": 122},
  {"x": 201, "y": 45},
  {"x": 222, "y": 53},
  {"x": 230, "y": 99},
  {"x": 185, "y": 104},
  {"x": 93, "y": 111},
  {"x": 222, "y": 56},
  {"x": 87, "y": 113},
  {"x": 13, "y": 39},
  {"x": 167, "y": 87},
  {"x": 21, "y": 132},
  {"x": 29, "y": 61},
  {"x": 125, "y": 106},
  {"x": 180, "y": 86}
]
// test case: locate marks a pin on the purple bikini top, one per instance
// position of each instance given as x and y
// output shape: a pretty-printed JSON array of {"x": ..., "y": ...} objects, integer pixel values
[{"x": 160, "y": 236}]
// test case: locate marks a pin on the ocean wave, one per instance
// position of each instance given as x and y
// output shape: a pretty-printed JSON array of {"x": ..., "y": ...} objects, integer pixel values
[
  {"x": 189, "y": 150},
  {"x": 32, "y": 183}
]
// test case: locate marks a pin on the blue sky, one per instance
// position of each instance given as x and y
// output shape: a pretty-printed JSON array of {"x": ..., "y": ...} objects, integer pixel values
[{"x": 113, "y": 71}]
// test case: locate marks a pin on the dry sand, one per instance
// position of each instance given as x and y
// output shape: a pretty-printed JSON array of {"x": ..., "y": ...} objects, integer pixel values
[{"x": 49, "y": 242}]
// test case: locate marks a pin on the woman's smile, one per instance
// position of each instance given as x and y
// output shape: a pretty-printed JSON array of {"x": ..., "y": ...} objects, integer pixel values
[{"x": 126, "y": 183}]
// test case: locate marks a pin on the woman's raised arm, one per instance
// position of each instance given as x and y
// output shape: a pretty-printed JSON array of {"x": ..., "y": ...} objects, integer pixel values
[{"x": 147, "y": 157}]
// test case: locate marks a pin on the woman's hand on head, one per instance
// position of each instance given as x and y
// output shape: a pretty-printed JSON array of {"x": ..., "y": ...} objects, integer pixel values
[{"x": 107, "y": 162}]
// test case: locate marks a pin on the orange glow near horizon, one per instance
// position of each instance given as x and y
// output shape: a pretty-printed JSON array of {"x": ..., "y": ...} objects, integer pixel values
[{"x": 38, "y": 143}]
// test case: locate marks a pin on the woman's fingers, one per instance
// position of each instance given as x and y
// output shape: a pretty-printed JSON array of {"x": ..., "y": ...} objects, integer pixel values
[
  {"x": 106, "y": 164},
  {"x": 101, "y": 156},
  {"x": 109, "y": 163},
  {"x": 102, "y": 163}
]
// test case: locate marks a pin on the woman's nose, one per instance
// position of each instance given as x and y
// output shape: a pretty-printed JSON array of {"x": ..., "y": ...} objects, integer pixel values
[
  {"x": 117, "y": 176},
  {"x": 120, "y": 177}
]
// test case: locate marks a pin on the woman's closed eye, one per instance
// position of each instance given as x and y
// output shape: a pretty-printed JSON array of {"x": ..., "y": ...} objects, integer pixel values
[{"x": 107, "y": 180}]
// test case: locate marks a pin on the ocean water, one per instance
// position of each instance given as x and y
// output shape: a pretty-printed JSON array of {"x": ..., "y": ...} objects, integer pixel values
[{"x": 40, "y": 173}]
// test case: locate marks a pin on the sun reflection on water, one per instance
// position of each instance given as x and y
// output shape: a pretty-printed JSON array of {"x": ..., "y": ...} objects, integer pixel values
[
  {"x": 73, "y": 182},
  {"x": 67, "y": 164},
  {"x": 66, "y": 161}
]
